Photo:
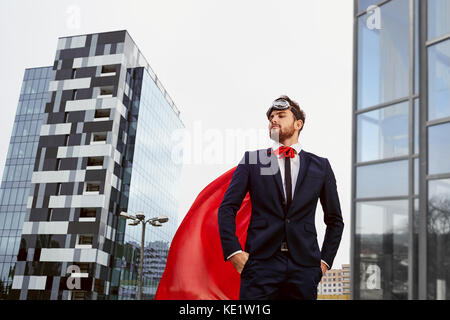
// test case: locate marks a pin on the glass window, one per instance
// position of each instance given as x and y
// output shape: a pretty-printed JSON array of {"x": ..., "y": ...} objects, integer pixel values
[
  {"x": 23, "y": 106},
  {"x": 439, "y": 149},
  {"x": 20, "y": 107},
  {"x": 5, "y": 266},
  {"x": 382, "y": 242},
  {"x": 16, "y": 245},
  {"x": 415, "y": 247},
  {"x": 23, "y": 88},
  {"x": 20, "y": 128},
  {"x": 438, "y": 238},
  {"x": 5, "y": 199},
  {"x": 24, "y": 173},
  {"x": 382, "y": 180},
  {"x": 47, "y": 82},
  {"x": 28, "y": 84},
  {"x": 10, "y": 150},
  {"x": 34, "y": 86},
  {"x": 41, "y": 85},
  {"x": 30, "y": 108},
  {"x": 31, "y": 73},
  {"x": 35, "y": 146},
  {"x": 16, "y": 215},
  {"x": 38, "y": 73},
  {"x": 15, "y": 149},
  {"x": 383, "y": 54},
  {"x": 26, "y": 75},
  {"x": 9, "y": 172},
  {"x": 43, "y": 73},
  {"x": 49, "y": 72},
  {"x": 38, "y": 106},
  {"x": 364, "y": 4},
  {"x": 33, "y": 105},
  {"x": 17, "y": 172},
  {"x": 14, "y": 131},
  {"x": 439, "y": 80},
  {"x": 13, "y": 199},
  {"x": 416, "y": 47},
  {"x": 21, "y": 150},
  {"x": 383, "y": 133},
  {"x": 416, "y": 126},
  {"x": 2, "y": 215},
  {"x": 41, "y": 106},
  {"x": 8, "y": 220},
  {"x": 26, "y": 128},
  {"x": 29, "y": 149},
  {"x": 10, "y": 248},
  {"x": 438, "y": 18},
  {"x": 30, "y": 169},
  {"x": 3, "y": 245},
  {"x": 33, "y": 129},
  {"x": 416, "y": 176}
]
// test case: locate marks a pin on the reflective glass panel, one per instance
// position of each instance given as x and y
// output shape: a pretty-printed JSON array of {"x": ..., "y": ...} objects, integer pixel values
[
  {"x": 152, "y": 185},
  {"x": 382, "y": 180},
  {"x": 416, "y": 47},
  {"x": 416, "y": 126},
  {"x": 438, "y": 18},
  {"x": 439, "y": 149},
  {"x": 383, "y": 133},
  {"x": 439, "y": 81},
  {"x": 383, "y": 54},
  {"x": 438, "y": 236},
  {"x": 416, "y": 176},
  {"x": 364, "y": 4},
  {"x": 382, "y": 247},
  {"x": 27, "y": 127}
]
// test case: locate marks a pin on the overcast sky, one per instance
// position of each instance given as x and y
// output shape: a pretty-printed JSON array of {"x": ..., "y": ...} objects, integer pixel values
[{"x": 222, "y": 62}]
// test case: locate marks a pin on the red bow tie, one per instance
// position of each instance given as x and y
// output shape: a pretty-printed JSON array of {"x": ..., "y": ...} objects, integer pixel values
[{"x": 288, "y": 152}]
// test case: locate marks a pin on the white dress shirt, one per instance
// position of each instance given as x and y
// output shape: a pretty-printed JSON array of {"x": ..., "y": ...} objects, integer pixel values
[
  {"x": 295, "y": 169},
  {"x": 295, "y": 165}
]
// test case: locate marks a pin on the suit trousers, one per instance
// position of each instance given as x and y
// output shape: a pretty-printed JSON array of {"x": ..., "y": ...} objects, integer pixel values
[{"x": 279, "y": 278}]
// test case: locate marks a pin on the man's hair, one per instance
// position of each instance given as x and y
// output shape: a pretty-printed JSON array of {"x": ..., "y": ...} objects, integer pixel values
[{"x": 294, "y": 105}]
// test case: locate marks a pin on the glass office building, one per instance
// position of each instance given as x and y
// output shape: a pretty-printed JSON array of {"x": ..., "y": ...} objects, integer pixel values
[
  {"x": 401, "y": 150},
  {"x": 18, "y": 169},
  {"x": 149, "y": 185},
  {"x": 91, "y": 139}
]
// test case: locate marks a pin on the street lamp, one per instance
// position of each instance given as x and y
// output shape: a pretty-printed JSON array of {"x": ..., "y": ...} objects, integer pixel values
[{"x": 139, "y": 218}]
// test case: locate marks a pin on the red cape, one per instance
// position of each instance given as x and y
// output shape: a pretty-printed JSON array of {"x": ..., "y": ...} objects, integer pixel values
[{"x": 195, "y": 268}]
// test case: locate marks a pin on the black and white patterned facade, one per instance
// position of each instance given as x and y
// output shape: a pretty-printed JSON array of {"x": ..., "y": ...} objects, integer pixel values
[{"x": 72, "y": 237}]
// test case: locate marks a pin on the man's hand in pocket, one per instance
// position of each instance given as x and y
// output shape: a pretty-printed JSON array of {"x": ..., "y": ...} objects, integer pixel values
[{"x": 239, "y": 260}]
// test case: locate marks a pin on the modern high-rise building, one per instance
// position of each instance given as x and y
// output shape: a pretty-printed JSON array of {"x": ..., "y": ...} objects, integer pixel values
[
  {"x": 401, "y": 149},
  {"x": 91, "y": 139}
]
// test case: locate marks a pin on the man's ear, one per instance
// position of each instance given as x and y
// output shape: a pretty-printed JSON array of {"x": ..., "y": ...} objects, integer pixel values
[{"x": 299, "y": 124}]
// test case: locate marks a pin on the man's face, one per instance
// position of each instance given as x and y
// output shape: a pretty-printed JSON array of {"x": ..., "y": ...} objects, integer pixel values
[{"x": 282, "y": 125}]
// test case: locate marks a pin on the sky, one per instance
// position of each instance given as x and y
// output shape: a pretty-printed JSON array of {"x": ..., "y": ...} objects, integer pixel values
[{"x": 222, "y": 63}]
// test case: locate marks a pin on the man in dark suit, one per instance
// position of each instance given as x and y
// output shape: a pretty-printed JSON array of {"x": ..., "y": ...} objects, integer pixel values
[{"x": 282, "y": 259}]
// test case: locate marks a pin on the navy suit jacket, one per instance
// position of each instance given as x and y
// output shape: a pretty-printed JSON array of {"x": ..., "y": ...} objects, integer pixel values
[{"x": 258, "y": 173}]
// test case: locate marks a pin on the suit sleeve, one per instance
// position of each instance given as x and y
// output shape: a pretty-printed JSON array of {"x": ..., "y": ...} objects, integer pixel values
[
  {"x": 329, "y": 200},
  {"x": 231, "y": 202}
]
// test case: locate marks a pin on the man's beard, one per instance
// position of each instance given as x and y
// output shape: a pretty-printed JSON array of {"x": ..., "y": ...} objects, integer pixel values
[{"x": 281, "y": 134}]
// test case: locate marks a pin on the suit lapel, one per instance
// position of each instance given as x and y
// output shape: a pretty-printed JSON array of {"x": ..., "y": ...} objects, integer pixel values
[
  {"x": 276, "y": 173},
  {"x": 304, "y": 163}
]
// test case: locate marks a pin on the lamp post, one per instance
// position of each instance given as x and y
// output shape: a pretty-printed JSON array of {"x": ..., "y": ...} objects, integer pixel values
[{"x": 139, "y": 218}]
